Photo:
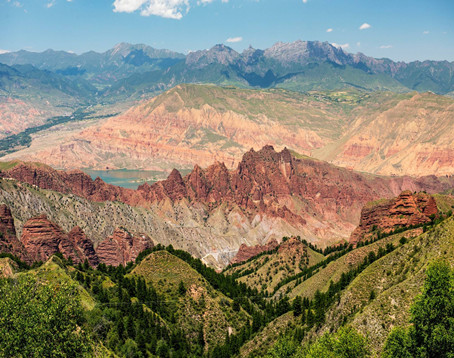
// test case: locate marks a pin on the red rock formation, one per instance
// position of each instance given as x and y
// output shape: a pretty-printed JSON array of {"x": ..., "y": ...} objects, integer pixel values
[
  {"x": 6, "y": 221},
  {"x": 122, "y": 247},
  {"x": 403, "y": 211},
  {"x": 75, "y": 182},
  {"x": 246, "y": 252},
  {"x": 42, "y": 239},
  {"x": 8, "y": 239},
  {"x": 305, "y": 193},
  {"x": 264, "y": 178},
  {"x": 80, "y": 248}
]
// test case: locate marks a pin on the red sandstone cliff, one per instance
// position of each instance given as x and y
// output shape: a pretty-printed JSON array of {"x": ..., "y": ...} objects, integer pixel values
[
  {"x": 403, "y": 211},
  {"x": 246, "y": 252},
  {"x": 122, "y": 247},
  {"x": 80, "y": 248},
  {"x": 8, "y": 239},
  {"x": 42, "y": 238}
]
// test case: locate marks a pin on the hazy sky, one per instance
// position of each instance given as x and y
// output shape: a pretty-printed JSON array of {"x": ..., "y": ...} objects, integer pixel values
[{"x": 398, "y": 29}]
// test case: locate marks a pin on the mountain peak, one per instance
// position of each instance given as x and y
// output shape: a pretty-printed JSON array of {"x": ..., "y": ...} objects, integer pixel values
[
  {"x": 307, "y": 51},
  {"x": 219, "y": 53}
]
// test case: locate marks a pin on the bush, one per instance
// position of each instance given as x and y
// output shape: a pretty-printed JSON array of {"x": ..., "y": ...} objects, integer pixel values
[
  {"x": 346, "y": 343},
  {"x": 397, "y": 344}
]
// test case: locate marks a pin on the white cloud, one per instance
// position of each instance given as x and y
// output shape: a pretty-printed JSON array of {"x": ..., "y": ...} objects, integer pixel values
[
  {"x": 15, "y": 3},
  {"x": 304, "y": 1},
  {"x": 3, "y": 51},
  {"x": 329, "y": 30},
  {"x": 51, "y": 3},
  {"x": 343, "y": 47},
  {"x": 365, "y": 26},
  {"x": 386, "y": 46},
  {"x": 235, "y": 39},
  {"x": 358, "y": 44},
  {"x": 425, "y": 32},
  {"x": 170, "y": 9}
]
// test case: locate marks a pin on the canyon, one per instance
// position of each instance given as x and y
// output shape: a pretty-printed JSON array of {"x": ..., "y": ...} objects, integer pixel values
[{"x": 210, "y": 212}]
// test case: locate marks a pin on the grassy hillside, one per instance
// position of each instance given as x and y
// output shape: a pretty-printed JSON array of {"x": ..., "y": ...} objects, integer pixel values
[
  {"x": 195, "y": 305},
  {"x": 332, "y": 271},
  {"x": 266, "y": 271},
  {"x": 328, "y": 76},
  {"x": 396, "y": 280},
  {"x": 370, "y": 288},
  {"x": 170, "y": 303},
  {"x": 161, "y": 304}
]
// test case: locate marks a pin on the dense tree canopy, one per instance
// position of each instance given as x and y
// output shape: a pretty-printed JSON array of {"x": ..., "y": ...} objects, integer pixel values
[
  {"x": 432, "y": 315},
  {"x": 40, "y": 320}
]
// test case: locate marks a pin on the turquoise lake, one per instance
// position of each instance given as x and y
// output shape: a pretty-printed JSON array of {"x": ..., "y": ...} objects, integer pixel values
[{"x": 127, "y": 178}]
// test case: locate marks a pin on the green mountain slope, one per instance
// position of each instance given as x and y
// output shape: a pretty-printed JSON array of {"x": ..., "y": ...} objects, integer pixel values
[
  {"x": 375, "y": 294},
  {"x": 267, "y": 270},
  {"x": 197, "y": 308},
  {"x": 100, "y": 69},
  {"x": 26, "y": 81},
  {"x": 396, "y": 280}
]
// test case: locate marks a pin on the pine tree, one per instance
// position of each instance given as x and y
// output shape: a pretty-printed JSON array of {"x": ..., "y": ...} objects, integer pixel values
[
  {"x": 432, "y": 333},
  {"x": 130, "y": 327},
  {"x": 297, "y": 306},
  {"x": 181, "y": 288},
  {"x": 310, "y": 319}
]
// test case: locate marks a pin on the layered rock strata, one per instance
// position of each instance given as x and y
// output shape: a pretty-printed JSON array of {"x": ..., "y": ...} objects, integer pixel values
[{"x": 406, "y": 210}]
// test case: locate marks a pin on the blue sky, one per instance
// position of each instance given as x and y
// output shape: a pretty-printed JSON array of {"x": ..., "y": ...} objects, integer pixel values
[{"x": 398, "y": 29}]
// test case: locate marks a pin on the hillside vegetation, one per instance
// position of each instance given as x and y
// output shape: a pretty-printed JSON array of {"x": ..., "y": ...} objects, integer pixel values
[
  {"x": 372, "y": 296},
  {"x": 170, "y": 304}
]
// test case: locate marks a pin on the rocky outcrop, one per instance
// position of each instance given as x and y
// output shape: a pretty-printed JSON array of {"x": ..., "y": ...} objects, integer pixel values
[
  {"x": 80, "y": 248},
  {"x": 42, "y": 239},
  {"x": 8, "y": 267},
  {"x": 408, "y": 209},
  {"x": 8, "y": 239},
  {"x": 7, "y": 228},
  {"x": 293, "y": 246},
  {"x": 306, "y": 197},
  {"x": 122, "y": 247},
  {"x": 246, "y": 252},
  {"x": 74, "y": 182}
]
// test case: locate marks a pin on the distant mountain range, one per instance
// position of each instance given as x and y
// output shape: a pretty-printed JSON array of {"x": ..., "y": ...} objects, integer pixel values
[
  {"x": 137, "y": 70},
  {"x": 100, "y": 68}
]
